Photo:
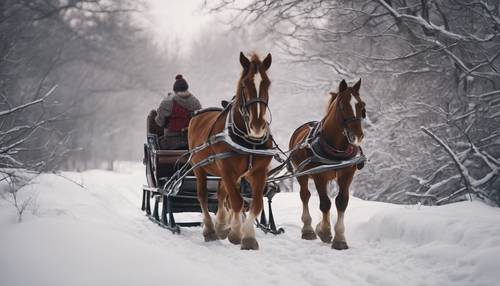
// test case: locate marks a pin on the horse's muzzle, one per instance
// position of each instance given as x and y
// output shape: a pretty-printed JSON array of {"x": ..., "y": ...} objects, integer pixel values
[{"x": 258, "y": 131}]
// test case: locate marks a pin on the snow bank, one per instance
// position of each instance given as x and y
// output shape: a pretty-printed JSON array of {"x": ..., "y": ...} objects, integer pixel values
[
  {"x": 97, "y": 235},
  {"x": 460, "y": 241}
]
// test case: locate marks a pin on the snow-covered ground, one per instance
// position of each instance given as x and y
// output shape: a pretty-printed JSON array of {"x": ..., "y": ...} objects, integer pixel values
[{"x": 98, "y": 236}]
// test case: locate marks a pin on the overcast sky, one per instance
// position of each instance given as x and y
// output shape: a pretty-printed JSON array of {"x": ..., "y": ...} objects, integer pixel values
[{"x": 176, "y": 21}]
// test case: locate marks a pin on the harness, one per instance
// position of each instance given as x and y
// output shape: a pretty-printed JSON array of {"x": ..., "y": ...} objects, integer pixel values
[
  {"x": 320, "y": 148},
  {"x": 327, "y": 160},
  {"x": 320, "y": 152},
  {"x": 230, "y": 135}
]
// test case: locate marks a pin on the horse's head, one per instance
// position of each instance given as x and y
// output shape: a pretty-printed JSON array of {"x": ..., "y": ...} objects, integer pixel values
[
  {"x": 348, "y": 110},
  {"x": 252, "y": 95}
]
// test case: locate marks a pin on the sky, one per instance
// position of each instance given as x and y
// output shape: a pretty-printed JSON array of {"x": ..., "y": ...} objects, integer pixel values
[{"x": 176, "y": 23}]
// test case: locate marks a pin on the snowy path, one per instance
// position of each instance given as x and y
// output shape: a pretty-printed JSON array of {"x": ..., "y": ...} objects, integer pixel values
[{"x": 98, "y": 236}]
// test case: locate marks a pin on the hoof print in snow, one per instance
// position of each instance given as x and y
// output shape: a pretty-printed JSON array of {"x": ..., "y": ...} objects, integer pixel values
[
  {"x": 211, "y": 236},
  {"x": 339, "y": 245},
  {"x": 249, "y": 244},
  {"x": 309, "y": 235}
]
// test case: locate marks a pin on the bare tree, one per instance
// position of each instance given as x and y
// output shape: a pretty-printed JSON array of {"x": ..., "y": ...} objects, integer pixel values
[
  {"x": 12, "y": 183},
  {"x": 105, "y": 70}
]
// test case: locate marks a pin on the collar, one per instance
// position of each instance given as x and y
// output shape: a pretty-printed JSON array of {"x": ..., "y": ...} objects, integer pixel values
[
  {"x": 332, "y": 152},
  {"x": 321, "y": 148},
  {"x": 241, "y": 137}
]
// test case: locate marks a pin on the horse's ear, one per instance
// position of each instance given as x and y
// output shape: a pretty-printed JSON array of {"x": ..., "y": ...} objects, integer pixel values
[
  {"x": 267, "y": 62},
  {"x": 245, "y": 63},
  {"x": 357, "y": 86},
  {"x": 342, "y": 86}
]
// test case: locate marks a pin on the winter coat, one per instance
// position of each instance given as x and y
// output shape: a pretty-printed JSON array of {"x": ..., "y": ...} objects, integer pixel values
[
  {"x": 183, "y": 98},
  {"x": 175, "y": 140}
]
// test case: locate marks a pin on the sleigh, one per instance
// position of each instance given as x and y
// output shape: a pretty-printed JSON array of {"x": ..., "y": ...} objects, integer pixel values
[{"x": 170, "y": 190}]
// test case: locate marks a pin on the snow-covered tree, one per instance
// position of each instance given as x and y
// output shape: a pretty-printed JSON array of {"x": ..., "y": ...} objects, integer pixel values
[{"x": 431, "y": 75}]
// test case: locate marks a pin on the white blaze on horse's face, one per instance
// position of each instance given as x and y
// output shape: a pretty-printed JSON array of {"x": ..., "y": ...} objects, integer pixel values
[
  {"x": 258, "y": 125},
  {"x": 353, "y": 104},
  {"x": 353, "y": 101},
  {"x": 257, "y": 79}
]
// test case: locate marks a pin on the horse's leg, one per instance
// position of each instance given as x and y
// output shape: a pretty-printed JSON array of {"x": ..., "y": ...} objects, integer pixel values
[
  {"x": 307, "y": 230},
  {"x": 222, "y": 217},
  {"x": 201, "y": 186},
  {"x": 236, "y": 204},
  {"x": 344, "y": 181},
  {"x": 323, "y": 228},
  {"x": 258, "y": 181}
]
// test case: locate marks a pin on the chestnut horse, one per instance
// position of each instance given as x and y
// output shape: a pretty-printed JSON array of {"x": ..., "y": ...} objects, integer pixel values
[
  {"x": 248, "y": 109},
  {"x": 341, "y": 131}
]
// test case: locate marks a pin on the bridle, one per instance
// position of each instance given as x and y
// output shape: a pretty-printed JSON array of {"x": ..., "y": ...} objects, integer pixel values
[
  {"x": 359, "y": 115},
  {"x": 244, "y": 106},
  {"x": 244, "y": 110}
]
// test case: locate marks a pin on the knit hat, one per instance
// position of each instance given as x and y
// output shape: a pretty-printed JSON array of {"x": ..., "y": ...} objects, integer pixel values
[{"x": 180, "y": 84}]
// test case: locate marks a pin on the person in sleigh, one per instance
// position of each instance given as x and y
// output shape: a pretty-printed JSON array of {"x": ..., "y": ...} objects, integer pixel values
[{"x": 174, "y": 113}]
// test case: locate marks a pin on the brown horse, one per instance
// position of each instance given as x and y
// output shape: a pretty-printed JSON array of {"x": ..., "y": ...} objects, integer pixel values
[
  {"x": 341, "y": 131},
  {"x": 248, "y": 110}
]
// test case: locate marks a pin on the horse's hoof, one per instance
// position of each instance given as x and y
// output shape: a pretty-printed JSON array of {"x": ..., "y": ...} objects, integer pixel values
[
  {"x": 249, "y": 243},
  {"x": 234, "y": 238},
  {"x": 325, "y": 236},
  {"x": 339, "y": 245},
  {"x": 210, "y": 236},
  {"x": 310, "y": 235},
  {"x": 222, "y": 231}
]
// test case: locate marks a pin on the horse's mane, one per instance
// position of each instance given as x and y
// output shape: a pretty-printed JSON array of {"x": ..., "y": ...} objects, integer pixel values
[
  {"x": 254, "y": 57},
  {"x": 333, "y": 97},
  {"x": 254, "y": 61}
]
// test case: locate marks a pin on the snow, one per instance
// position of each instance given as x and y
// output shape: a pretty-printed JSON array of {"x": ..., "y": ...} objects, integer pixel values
[{"x": 98, "y": 236}]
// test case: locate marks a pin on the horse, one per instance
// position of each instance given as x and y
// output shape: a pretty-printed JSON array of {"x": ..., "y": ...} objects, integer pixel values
[
  {"x": 339, "y": 132},
  {"x": 249, "y": 114}
]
